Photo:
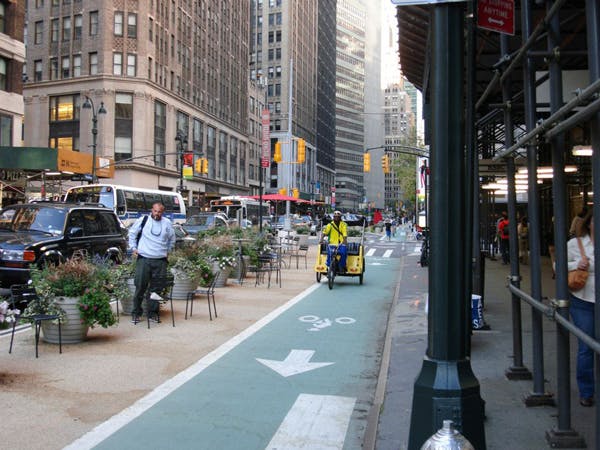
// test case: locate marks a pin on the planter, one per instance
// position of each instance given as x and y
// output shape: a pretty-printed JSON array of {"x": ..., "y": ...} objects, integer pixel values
[
  {"x": 182, "y": 285},
  {"x": 235, "y": 273},
  {"x": 222, "y": 281},
  {"x": 127, "y": 303},
  {"x": 73, "y": 331}
]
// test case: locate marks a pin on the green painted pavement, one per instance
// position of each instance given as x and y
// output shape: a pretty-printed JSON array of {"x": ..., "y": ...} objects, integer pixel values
[{"x": 238, "y": 403}]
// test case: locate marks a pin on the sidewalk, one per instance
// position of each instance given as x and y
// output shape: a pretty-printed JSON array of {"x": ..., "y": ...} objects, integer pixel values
[{"x": 508, "y": 422}]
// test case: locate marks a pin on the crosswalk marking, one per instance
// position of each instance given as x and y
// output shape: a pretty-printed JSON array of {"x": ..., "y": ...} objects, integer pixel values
[
  {"x": 370, "y": 252},
  {"x": 388, "y": 253}
]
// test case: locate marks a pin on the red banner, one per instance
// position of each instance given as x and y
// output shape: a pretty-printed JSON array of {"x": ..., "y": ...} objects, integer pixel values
[{"x": 265, "y": 157}]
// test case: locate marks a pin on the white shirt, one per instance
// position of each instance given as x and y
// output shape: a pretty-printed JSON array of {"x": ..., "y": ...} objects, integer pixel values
[{"x": 573, "y": 258}]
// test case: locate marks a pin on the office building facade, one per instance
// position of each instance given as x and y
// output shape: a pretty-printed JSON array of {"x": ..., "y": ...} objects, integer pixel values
[{"x": 161, "y": 70}]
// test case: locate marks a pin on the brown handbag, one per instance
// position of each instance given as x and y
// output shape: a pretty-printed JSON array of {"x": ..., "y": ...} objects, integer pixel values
[{"x": 578, "y": 278}]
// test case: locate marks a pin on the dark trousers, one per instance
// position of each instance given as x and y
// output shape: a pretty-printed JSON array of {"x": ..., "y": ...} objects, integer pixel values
[
  {"x": 504, "y": 250},
  {"x": 147, "y": 271}
]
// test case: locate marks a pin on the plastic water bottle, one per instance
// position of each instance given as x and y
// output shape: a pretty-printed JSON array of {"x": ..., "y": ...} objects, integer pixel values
[{"x": 447, "y": 438}]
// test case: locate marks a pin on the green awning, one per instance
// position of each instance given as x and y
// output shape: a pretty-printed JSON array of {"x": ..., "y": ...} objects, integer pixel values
[{"x": 29, "y": 158}]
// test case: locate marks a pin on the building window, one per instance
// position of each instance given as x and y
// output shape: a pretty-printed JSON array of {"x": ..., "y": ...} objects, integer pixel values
[
  {"x": 66, "y": 67},
  {"x": 53, "y": 68},
  {"x": 123, "y": 126},
  {"x": 117, "y": 64},
  {"x": 66, "y": 30},
  {"x": 39, "y": 32},
  {"x": 93, "y": 23},
  {"x": 118, "y": 25},
  {"x": 5, "y": 130},
  {"x": 131, "y": 64},
  {"x": 3, "y": 71},
  {"x": 150, "y": 29},
  {"x": 37, "y": 70},
  {"x": 132, "y": 25},
  {"x": 78, "y": 19},
  {"x": 77, "y": 65},
  {"x": 93, "y": 69},
  {"x": 160, "y": 131},
  {"x": 54, "y": 30},
  {"x": 278, "y": 71},
  {"x": 2, "y": 18},
  {"x": 64, "y": 108}
]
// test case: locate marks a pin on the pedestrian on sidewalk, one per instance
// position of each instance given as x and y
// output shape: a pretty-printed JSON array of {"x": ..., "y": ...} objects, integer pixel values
[
  {"x": 503, "y": 237},
  {"x": 523, "y": 233},
  {"x": 582, "y": 304},
  {"x": 388, "y": 229},
  {"x": 151, "y": 238}
]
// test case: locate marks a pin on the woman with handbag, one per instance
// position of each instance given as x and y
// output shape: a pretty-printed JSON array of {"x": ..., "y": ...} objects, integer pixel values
[{"x": 580, "y": 257}]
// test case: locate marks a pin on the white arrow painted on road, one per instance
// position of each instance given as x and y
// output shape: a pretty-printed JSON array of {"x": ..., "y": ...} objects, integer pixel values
[{"x": 296, "y": 362}]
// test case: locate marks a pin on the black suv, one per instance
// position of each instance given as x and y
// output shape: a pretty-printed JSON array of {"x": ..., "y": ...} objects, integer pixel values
[{"x": 36, "y": 233}]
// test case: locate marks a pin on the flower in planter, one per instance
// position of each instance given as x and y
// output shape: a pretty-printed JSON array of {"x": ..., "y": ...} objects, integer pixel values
[
  {"x": 7, "y": 315},
  {"x": 225, "y": 262},
  {"x": 94, "y": 307}
]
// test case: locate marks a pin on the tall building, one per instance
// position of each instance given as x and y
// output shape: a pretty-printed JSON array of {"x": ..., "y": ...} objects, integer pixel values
[
  {"x": 287, "y": 59},
  {"x": 373, "y": 105},
  {"x": 350, "y": 103},
  {"x": 171, "y": 77},
  {"x": 12, "y": 57},
  {"x": 399, "y": 130}
]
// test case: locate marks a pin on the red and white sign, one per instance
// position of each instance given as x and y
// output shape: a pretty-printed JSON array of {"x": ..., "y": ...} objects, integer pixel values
[
  {"x": 496, "y": 15},
  {"x": 265, "y": 156}
]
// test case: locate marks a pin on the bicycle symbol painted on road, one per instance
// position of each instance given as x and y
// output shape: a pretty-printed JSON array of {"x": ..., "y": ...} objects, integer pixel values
[{"x": 318, "y": 324}]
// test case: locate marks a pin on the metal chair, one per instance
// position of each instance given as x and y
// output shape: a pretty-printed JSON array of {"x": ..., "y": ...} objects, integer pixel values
[
  {"x": 208, "y": 291},
  {"x": 299, "y": 251},
  {"x": 21, "y": 294},
  {"x": 164, "y": 287}
]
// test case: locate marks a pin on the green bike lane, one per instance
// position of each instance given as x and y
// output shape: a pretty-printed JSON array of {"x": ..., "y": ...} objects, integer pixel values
[{"x": 302, "y": 377}]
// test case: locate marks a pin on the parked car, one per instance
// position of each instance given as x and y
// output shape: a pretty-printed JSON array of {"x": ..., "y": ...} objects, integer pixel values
[
  {"x": 37, "y": 233},
  {"x": 205, "y": 221}
]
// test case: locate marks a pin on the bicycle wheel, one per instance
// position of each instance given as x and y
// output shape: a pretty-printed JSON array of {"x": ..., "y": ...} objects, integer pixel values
[{"x": 331, "y": 273}]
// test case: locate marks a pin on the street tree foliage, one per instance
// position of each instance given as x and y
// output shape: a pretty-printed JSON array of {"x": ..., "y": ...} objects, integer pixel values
[{"x": 404, "y": 167}]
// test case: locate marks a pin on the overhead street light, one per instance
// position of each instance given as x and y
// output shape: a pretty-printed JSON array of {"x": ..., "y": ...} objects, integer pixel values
[{"x": 89, "y": 104}]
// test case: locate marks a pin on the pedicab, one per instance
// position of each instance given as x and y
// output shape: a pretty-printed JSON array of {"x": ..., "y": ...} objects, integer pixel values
[{"x": 355, "y": 260}]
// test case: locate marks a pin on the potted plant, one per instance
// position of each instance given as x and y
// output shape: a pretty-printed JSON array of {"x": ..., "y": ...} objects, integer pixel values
[
  {"x": 79, "y": 290},
  {"x": 186, "y": 266},
  {"x": 220, "y": 250}
]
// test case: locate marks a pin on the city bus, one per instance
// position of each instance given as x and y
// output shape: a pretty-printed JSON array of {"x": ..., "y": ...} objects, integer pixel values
[
  {"x": 129, "y": 202},
  {"x": 244, "y": 210}
]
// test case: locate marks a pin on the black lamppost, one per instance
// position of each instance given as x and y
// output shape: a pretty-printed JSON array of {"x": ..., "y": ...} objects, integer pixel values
[
  {"x": 182, "y": 141},
  {"x": 89, "y": 104}
]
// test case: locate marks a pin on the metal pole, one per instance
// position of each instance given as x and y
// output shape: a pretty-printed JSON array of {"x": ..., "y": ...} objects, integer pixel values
[
  {"x": 517, "y": 371},
  {"x": 94, "y": 136},
  {"x": 539, "y": 396},
  {"x": 446, "y": 387},
  {"x": 562, "y": 436}
]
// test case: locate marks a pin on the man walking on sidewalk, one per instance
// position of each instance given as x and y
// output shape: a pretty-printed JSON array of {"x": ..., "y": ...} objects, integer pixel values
[{"x": 151, "y": 239}]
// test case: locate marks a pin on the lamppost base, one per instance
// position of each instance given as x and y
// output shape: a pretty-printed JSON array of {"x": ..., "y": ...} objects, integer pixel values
[{"x": 446, "y": 390}]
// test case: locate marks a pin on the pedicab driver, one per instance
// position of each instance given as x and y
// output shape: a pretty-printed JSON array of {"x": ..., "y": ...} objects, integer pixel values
[{"x": 337, "y": 231}]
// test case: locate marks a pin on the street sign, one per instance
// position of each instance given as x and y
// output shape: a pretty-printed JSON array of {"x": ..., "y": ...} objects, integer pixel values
[
  {"x": 496, "y": 15},
  {"x": 265, "y": 157}
]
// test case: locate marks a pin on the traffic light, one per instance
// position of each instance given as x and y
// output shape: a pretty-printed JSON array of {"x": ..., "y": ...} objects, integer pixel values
[
  {"x": 301, "y": 150},
  {"x": 295, "y": 193},
  {"x": 277, "y": 154},
  {"x": 385, "y": 163},
  {"x": 201, "y": 165},
  {"x": 367, "y": 162},
  {"x": 283, "y": 191}
]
